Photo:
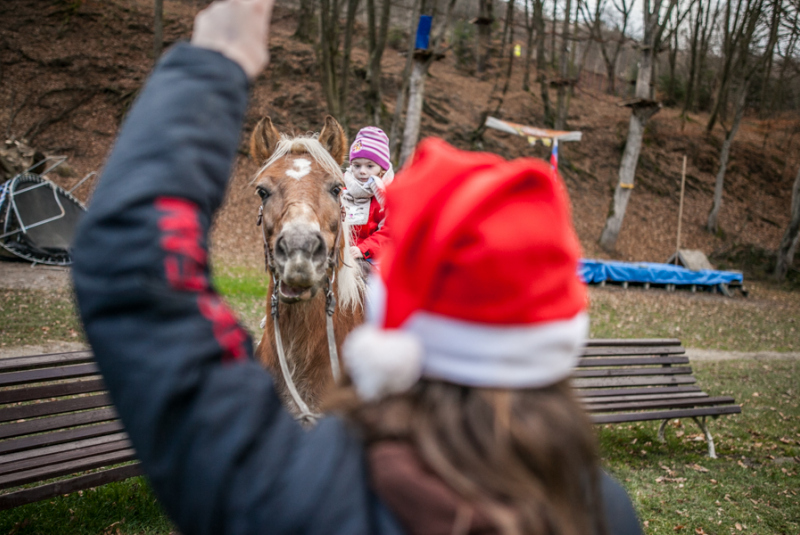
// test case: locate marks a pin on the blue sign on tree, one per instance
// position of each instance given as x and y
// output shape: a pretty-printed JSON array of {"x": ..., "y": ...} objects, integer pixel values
[{"x": 423, "y": 32}]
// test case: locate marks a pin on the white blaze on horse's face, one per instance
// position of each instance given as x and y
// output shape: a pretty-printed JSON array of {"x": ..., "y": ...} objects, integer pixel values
[{"x": 301, "y": 168}]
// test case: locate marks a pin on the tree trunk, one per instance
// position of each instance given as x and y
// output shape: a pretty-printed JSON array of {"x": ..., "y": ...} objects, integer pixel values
[
  {"x": 400, "y": 103},
  {"x": 486, "y": 13},
  {"x": 553, "y": 36},
  {"x": 712, "y": 225},
  {"x": 508, "y": 20},
  {"x": 788, "y": 244},
  {"x": 328, "y": 48},
  {"x": 305, "y": 21},
  {"x": 530, "y": 25},
  {"x": 653, "y": 28},
  {"x": 374, "y": 99},
  {"x": 158, "y": 28},
  {"x": 416, "y": 93},
  {"x": 344, "y": 92},
  {"x": 548, "y": 117},
  {"x": 688, "y": 100},
  {"x": 561, "y": 106}
]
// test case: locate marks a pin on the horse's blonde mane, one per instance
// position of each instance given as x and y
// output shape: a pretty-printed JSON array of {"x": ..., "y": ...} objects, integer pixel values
[{"x": 350, "y": 283}]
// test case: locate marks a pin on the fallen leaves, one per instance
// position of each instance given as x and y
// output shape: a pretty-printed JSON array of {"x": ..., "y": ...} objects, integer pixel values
[{"x": 696, "y": 467}]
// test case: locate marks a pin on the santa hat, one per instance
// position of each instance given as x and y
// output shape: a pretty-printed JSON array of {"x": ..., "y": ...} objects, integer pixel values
[
  {"x": 371, "y": 143},
  {"x": 479, "y": 284}
]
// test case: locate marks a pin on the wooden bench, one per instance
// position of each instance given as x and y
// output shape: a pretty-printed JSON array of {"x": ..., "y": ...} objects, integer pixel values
[
  {"x": 633, "y": 380},
  {"x": 56, "y": 420}
]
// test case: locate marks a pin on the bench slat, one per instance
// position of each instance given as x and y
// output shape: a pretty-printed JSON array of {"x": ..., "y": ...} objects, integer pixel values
[
  {"x": 48, "y": 408},
  {"x": 643, "y": 397},
  {"x": 633, "y": 381},
  {"x": 631, "y": 361},
  {"x": 65, "y": 468},
  {"x": 48, "y": 374},
  {"x": 659, "y": 404},
  {"x": 634, "y": 350},
  {"x": 635, "y": 391},
  {"x": 631, "y": 372},
  {"x": 64, "y": 456},
  {"x": 49, "y": 490},
  {"x": 80, "y": 386},
  {"x": 595, "y": 342},
  {"x": 663, "y": 415},
  {"x": 59, "y": 437},
  {"x": 41, "y": 361},
  {"x": 58, "y": 448},
  {"x": 40, "y": 425}
]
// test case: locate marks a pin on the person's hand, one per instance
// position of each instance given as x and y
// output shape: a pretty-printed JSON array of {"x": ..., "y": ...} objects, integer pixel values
[
  {"x": 355, "y": 252},
  {"x": 238, "y": 29}
]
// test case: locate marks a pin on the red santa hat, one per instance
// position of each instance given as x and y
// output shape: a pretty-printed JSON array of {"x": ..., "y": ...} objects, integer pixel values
[{"x": 479, "y": 284}]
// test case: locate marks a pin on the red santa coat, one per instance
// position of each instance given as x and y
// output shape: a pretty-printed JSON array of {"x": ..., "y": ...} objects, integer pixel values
[{"x": 370, "y": 237}]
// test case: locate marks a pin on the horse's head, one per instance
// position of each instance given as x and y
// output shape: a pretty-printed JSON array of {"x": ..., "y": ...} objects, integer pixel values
[{"x": 299, "y": 182}]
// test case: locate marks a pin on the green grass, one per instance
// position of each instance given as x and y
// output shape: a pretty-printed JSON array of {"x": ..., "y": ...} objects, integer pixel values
[
  {"x": 37, "y": 316},
  {"x": 767, "y": 321},
  {"x": 245, "y": 290},
  {"x": 751, "y": 488},
  {"x": 121, "y": 508}
]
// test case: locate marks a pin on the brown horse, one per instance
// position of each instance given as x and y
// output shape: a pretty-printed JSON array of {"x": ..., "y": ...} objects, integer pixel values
[{"x": 306, "y": 247}]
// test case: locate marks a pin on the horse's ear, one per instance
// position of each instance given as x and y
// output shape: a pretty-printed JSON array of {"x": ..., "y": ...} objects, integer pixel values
[
  {"x": 333, "y": 139},
  {"x": 264, "y": 140}
]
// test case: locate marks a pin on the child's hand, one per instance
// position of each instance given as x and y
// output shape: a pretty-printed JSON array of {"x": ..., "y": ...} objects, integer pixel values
[
  {"x": 356, "y": 252},
  {"x": 238, "y": 29}
]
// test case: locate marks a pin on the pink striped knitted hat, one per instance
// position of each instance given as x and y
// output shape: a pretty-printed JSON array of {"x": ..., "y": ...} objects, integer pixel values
[{"x": 371, "y": 143}]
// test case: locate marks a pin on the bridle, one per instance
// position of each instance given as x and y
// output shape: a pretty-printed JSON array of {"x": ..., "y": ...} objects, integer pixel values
[{"x": 306, "y": 416}]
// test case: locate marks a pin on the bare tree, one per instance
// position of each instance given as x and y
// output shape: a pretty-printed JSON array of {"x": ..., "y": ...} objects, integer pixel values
[
  {"x": 530, "y": 28},
  {"x": 561, "y": 106},
  {"x": 416, "y": 90},
  {"x": 656, "y": 14},
  {"x": 305, "y": 21},
  {"x": 484, "y": 22},
  {"x": 791, "y": 237},
  {"x": 335, "y": 75},
  {"x": 508, "y": 36},
  {"x": 158, "y": 28},
  {"x": 400, "y": 103},
  {"x": 541, "y": 66},
  {"x": 610, "y": 47},
  {"x": 776, "y": 7},
  {"x": 377, "y": 44},
  {"x": 746, "y": 66}
]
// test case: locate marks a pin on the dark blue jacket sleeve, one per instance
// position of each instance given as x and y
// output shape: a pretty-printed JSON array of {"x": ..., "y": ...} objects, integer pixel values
[{"x": 221, "y": 453}]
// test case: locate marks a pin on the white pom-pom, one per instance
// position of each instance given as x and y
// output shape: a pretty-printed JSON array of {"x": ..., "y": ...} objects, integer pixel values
[{"x": 382, "y": 362}]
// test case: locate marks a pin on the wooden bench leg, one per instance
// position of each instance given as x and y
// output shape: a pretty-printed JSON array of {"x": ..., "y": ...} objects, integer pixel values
[
  {"x": 709, "y": 439},
  {"x": 661, "y": 431}
]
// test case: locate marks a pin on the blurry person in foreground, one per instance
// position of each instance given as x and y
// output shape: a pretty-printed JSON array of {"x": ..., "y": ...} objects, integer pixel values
[{"x": 457, "y": 417}]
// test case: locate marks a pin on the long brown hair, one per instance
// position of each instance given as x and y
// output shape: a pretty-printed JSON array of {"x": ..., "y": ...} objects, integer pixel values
[{"x": 525, "y": 458}]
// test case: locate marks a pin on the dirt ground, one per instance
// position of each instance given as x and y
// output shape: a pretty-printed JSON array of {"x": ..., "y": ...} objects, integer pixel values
[{"x": 24, "y": 276}]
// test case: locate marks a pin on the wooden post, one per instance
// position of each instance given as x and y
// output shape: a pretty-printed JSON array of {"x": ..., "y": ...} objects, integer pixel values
[{"x": 680, "y": 211}]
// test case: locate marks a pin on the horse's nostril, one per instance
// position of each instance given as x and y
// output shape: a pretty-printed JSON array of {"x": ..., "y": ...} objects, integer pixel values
[
  {"x": 281, "y": 249},
  {"x": 319, "y": 251}
]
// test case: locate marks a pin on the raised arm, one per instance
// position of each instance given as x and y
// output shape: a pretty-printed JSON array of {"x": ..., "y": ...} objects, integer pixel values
[{"x": 221, "y": 453}]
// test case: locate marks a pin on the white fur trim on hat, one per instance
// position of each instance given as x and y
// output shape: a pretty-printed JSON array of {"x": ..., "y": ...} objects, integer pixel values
[
  {"x": 382, "y": 362},
  {"x": 504, "y": 356}
]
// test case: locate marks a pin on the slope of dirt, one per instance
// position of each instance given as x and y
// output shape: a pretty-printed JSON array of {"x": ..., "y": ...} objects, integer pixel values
[{"x": 70, "y": 70}]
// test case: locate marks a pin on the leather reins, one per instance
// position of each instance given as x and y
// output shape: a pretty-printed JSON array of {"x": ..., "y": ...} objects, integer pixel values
[{"x": 306, "y": 415}]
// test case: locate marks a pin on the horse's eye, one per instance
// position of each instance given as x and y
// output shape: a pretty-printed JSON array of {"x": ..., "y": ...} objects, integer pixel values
[
  {"x": 336, "y": 190},
  {"x": 263, "y": 193}
]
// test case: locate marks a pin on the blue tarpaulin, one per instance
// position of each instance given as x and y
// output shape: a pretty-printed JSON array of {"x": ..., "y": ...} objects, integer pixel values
[{"x": 594, "y": 271}]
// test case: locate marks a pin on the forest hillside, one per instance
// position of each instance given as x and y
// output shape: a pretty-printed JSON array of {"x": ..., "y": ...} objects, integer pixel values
[{"x": 69, "y": 70}]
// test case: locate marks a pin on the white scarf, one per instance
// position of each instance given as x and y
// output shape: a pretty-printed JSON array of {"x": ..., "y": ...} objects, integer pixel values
[{"x": 357, "y": 196}]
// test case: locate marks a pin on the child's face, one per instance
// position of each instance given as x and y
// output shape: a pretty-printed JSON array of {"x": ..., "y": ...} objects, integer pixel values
[{"x": 364, "y": 168}]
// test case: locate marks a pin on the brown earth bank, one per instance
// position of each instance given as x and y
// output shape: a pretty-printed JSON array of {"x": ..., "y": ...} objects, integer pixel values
[{"x": 69, "y": 71}]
